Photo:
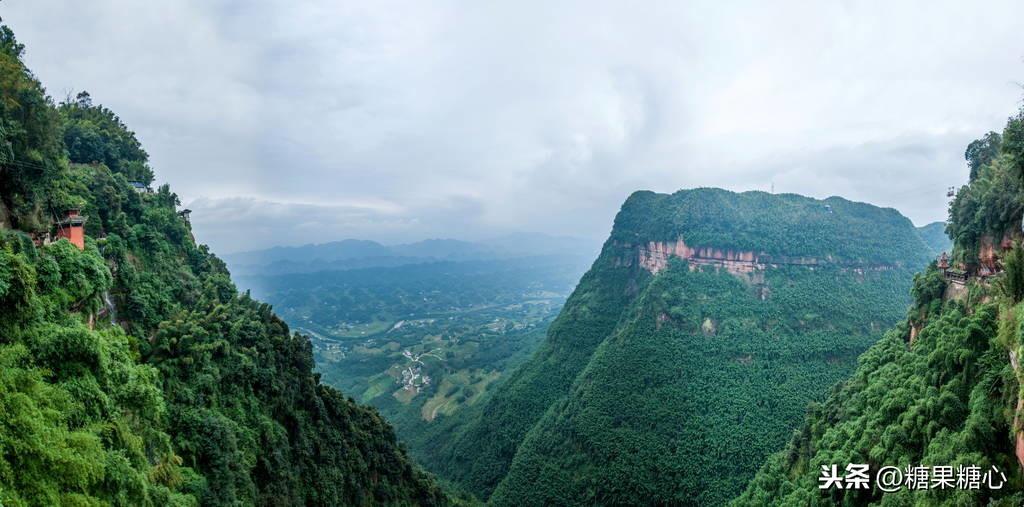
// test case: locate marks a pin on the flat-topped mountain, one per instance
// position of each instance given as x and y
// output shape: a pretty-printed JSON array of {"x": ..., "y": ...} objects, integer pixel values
[
  {"x": 716, "y": 224},
  {"x": 689, "y": 350}
]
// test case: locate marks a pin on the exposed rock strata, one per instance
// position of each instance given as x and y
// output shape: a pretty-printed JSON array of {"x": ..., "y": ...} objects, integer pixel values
[{"x": 654, "y": 256}]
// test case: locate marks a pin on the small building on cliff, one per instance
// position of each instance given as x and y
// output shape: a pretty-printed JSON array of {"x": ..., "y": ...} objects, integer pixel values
[{"x": 72, "y": 227}]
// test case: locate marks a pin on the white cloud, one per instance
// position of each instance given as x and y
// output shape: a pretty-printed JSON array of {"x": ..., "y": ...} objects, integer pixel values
[{"x": 401, "y": 120}]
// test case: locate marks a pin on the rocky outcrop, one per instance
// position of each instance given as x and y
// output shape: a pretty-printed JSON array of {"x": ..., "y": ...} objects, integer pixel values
[
  {"x": 989, "y": 252},
  {"x": 708, "y": 327},
  {"x": 654, "y": 255},
  {"x": 988, "y": 256}
]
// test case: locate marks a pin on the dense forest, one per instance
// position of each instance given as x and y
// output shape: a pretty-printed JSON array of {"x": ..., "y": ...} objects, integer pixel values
[
  {"x": 132, "y": 372},
  {"x": 943, "y": 387},
  {"x": 673, "y": 387}
]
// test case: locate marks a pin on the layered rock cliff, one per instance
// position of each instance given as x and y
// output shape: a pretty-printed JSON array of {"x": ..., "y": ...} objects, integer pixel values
[{"x": 654, "y": 256}]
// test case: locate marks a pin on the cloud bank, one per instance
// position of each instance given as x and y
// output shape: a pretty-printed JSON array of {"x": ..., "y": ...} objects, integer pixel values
[{"x": 294, "y": 122}]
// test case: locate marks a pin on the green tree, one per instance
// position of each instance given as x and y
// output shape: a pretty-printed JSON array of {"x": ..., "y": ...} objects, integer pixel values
[
  {"x": 1013, "y": 142},
  {"x": 94, "y": 133},
  {"x": 981, "y": 152},
  {"x": 1011, "y": 282},
  {"x": 30, "y": 144}
]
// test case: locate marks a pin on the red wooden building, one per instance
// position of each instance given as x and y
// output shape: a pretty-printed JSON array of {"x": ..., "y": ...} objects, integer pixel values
[{"x": 72, "y": 226}]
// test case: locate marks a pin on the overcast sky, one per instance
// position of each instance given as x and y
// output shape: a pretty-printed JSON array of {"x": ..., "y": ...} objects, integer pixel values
[{"x": 284, "y": 122}]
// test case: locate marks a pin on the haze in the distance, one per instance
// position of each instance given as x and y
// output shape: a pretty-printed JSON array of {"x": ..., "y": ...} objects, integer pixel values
[{"x": 296, "y": 122}]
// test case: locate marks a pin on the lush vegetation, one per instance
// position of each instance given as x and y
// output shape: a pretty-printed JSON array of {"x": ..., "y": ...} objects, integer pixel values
[
  {"x": 672, "y": 388},
  {"x": 94, "y": 134},
  {"x": 992, "y": 204},
  {"x": 81, "y": 420},
  {"x": 133, "y": 373},
  {"x": 951, "y": 396},
  {"x": 946, "y": 400}
]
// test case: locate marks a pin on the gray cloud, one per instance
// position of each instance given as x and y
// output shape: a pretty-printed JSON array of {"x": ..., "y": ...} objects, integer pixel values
[{"x": 290, "y": 122}]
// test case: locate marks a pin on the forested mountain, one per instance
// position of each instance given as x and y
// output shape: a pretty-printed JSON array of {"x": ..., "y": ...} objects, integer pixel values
[
  {"x": 689, "y": 350},
  {"x": 943, "y": 387},
  {"x": 934, "y": 235},
  {"x": 131, "y": 370}
]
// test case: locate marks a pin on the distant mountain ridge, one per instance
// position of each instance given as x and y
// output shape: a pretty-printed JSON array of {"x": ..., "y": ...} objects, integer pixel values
[
  {"x": 357, "y": 253},
  {"x": 934, "y": 235}
]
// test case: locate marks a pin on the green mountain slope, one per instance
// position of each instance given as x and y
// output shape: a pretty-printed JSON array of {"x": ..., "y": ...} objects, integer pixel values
[
  {"x": 131, "y": 371},
  {"x": 476, "y": 453},
  {"x": 934, "y": 235},
  {"x": 689, "y": 349},
  {"x": 942, "y": 388}
]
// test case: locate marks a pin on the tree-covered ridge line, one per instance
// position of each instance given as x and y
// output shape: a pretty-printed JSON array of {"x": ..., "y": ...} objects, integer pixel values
[
  {"x": 942, "y": 388},
  {"x": 786, "y": 226},
  {"x": 477, "y": 454},
  {"x": 363, "y": 254},
  {"x": 196, "y": 394}
]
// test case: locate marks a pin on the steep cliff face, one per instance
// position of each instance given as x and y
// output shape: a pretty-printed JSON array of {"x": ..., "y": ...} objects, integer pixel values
[
  {"x": 992, "y": 247},
  {"x": 654, "y": 256}
]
